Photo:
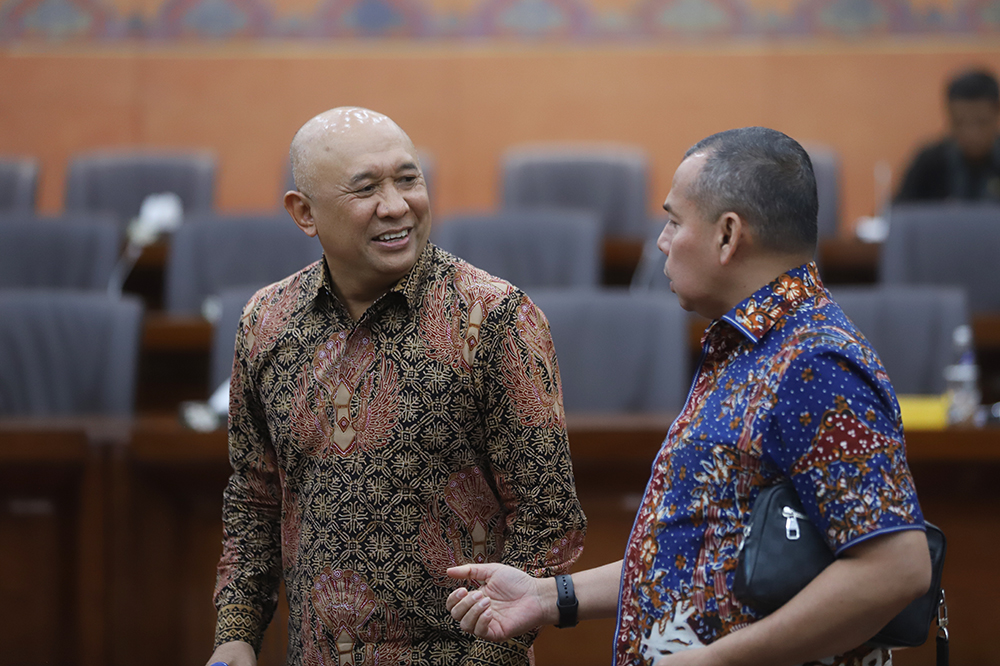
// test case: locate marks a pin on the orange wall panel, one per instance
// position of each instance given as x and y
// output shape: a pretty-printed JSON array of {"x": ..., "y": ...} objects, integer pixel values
[{"x": 871, "y": 101}]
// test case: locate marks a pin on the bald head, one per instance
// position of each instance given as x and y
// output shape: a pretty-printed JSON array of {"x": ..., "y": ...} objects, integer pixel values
[{"x": 332, "y": 135}]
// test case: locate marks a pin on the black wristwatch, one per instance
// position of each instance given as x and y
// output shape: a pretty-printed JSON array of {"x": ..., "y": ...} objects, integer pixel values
[{"x": 566, "y": 601}]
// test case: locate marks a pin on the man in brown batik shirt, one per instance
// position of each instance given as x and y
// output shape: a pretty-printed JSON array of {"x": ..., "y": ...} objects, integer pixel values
[{"x": 394, "y": 411}]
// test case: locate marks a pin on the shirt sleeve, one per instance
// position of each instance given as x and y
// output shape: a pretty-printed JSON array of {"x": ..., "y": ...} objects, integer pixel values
[
  {"x": 249, "y": 570},
  {"x": 528, "y": 452},
  {"x": 841, "y": 443},
  {"x": 526, "y": 441}
]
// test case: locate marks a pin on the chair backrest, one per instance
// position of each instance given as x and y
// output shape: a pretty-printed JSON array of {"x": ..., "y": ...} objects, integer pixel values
[
  {"x": 530, "y": 248},
  {"x": 118, "y": 182},
  {"x": 72, "y": 251},
  {"x": 826, "y": 166},
  {"x": 209, "y": 253},
  {"x": 231, "y": 302},
  {"x": 910, "y": 328},
  {"x": 618, "y": 351},
  {"x": 945, "y": 244},
  {"x": 612, "y": 181},
  {"x": 68, "y": 353},
  {"x": 18, "y": 183}
]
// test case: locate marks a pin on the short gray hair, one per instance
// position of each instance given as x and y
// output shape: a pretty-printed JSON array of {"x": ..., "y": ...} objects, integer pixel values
[{"x": 765, "y": 177}]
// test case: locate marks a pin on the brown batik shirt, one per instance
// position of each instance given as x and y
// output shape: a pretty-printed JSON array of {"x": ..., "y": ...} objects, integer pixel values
[{"x": 370, "y": 456}]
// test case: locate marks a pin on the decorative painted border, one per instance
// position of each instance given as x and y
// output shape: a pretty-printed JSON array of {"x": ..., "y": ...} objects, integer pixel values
[{"x": 559, "y": 20}]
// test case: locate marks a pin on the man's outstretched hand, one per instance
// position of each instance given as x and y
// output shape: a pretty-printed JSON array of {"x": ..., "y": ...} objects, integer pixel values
[{"x": 508, "y": 603}]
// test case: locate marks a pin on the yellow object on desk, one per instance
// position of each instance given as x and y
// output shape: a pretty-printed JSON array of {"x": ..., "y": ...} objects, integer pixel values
[{"x": 924, "y": 412}]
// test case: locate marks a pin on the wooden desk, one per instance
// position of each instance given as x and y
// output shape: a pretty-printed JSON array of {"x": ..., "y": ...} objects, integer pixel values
[
  {"x": 136, "y": 529},
  {"x": 53, "y": 550},
  {"x": 176, "y": 477},
  {"x": 848, "y": 261},
  {"x": 176, "y": 333}
]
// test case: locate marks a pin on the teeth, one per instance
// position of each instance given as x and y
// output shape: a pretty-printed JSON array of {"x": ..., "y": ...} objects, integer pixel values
[{"x": 389, "y": 237}]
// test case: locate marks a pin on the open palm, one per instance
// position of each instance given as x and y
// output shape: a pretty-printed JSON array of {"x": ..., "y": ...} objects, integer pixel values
[{"x": 507, "y": 603}]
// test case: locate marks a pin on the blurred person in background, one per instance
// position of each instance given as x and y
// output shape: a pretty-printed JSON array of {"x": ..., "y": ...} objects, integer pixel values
[{"x": 964, "y": 166}]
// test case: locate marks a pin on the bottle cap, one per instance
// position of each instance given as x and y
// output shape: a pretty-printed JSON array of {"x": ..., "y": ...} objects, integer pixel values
[{"x": 962, "y": 335}]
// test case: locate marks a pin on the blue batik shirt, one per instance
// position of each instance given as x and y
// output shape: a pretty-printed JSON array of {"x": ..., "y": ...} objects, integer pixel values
[{"x": 787, "y": 387}]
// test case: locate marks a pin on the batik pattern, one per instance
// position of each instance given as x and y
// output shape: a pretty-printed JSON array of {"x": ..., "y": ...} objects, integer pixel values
[
  {"x": 370, "y": 456},
  {"x": 787, "y": 388}
]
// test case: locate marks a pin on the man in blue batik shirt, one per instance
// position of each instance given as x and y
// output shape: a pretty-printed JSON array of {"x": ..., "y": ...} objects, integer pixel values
[{"x": 787, "y": 388}]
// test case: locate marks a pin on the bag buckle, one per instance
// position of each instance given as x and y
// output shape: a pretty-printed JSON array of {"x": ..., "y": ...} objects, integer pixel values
[{"x": 942, "y": 617}]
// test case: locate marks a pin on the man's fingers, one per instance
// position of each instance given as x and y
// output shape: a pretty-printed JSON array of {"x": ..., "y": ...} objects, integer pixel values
[
  {"x": 472, "y": 608},
  {"x": 465, "y": 604},
  {"x": 478, "y": 572},
  {"x": 454, "y": 598},
  {"x": 483, "y": 623},
  {"x": 460, "y": 572}
]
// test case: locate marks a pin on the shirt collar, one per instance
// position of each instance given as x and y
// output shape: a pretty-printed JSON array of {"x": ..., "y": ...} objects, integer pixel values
[
  {"x": 412, "y": 285},
  {"x": 758, "y": 314},
  {"x": 316, "y": 280}
]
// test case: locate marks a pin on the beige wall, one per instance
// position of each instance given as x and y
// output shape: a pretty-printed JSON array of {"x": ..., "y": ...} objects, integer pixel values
[{"x": 871, "y": 101}]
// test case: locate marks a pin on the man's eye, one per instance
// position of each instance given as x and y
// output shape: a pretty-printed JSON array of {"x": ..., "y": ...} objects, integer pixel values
[
  {"x": 367, "y": 189},
  {"x": 408, "y": 180}
]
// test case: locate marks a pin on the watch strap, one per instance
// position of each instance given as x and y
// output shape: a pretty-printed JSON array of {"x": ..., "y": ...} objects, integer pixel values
[{"x": 566, "y": 601}]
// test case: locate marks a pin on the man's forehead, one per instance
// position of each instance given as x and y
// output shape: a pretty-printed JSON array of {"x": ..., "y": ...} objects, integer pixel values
[
  {"x": 346, "y": 119},
  {"x": 347, "y": 131},
  {"x": 688, "y": 170},
  {"x": 362, "y": 145}
]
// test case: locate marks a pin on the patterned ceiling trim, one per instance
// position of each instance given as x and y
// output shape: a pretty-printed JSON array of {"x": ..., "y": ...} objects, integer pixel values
[{"x": 555, "y": 20}]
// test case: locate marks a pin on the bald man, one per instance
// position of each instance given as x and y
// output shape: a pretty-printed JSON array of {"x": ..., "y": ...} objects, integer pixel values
[{"x": 394, "y": 412}]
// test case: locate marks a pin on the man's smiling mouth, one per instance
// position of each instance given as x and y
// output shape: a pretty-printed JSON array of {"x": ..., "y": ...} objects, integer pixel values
[{"x": 396, "y": 235}]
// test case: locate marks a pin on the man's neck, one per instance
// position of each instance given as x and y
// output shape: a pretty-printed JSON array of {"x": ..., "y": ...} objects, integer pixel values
[
  {"x": 357, "y": 298},
  {"x": 759, "y": 272}
]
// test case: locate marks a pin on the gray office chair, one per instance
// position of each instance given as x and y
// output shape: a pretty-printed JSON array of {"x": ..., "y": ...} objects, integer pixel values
[
  {"x": 72, "y": 251},
  {"x": 618, "y": 351},
  {"x": 68, "y": 353},
  {"x": 119, "y": 181},
  {"x": 209, "y": 253},
  {"x": 231, "y": 302},
  {"x": 18, "y": 183},
  {"x": 910, "y": 328},
  {"x": 530, "y": 248},
  {"x": 945, "y": 244},
  {"x": 826, "y": 166},
  {"x": 610, "y": 180}
]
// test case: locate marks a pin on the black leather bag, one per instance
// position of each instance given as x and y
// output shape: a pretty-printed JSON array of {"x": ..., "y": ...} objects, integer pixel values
[{"x": 782, "y": 551}]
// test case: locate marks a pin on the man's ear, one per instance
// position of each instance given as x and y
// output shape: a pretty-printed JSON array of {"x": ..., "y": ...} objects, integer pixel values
[
  {"x": 300, "y": 208},
  {"x": 732, "y": 233}
]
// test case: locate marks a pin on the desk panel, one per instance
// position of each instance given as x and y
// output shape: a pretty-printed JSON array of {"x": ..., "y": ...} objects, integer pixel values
[{"x": 136, "y": 529}]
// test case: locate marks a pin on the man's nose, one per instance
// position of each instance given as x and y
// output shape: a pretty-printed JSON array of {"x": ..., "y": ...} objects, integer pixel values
[
  {"x": 392, "y": 204},
  {"x": 663, "y": 242}
]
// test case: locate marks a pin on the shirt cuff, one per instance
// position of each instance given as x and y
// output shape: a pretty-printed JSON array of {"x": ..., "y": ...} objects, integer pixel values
[
  {"x": 237, "y": 622},
  {"x": 513, "y": 652}
]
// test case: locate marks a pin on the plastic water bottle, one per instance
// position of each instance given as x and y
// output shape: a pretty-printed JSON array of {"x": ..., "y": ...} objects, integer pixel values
[{"x": 962, "y": 379}]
